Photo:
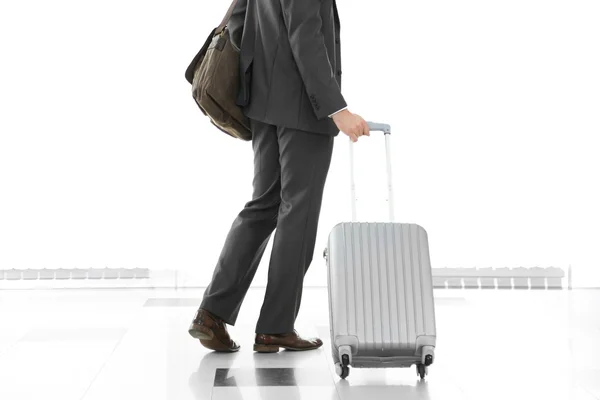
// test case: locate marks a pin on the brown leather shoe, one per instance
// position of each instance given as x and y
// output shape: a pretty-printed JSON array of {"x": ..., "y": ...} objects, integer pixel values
[
  {"x": 290, "y": 341},
  {"x": 212, "y": 332}
]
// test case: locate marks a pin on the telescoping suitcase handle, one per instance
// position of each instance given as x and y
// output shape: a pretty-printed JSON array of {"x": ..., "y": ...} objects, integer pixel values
[{"x": 387, "y": 131}]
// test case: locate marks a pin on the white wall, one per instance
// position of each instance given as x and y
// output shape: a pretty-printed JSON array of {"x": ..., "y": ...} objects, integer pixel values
[{"x": 106, "y": 161}]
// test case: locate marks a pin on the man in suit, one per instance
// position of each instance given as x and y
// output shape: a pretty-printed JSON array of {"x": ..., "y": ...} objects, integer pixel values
[{"x": 290, "y": 88}]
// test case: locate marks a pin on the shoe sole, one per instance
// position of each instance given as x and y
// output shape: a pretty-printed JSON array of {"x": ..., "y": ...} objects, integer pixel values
[
  {"x": 201, "y": 333},
  {"x": 207, "y": 338},
  {"x": 271, "y": 348}
]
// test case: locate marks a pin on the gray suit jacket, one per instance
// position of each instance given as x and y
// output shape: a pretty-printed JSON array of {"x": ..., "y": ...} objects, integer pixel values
[{"x": 290, "y": 62}]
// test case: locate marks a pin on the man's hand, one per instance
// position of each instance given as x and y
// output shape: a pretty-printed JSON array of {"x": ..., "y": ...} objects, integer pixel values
[{"x": 350, "y": 124}]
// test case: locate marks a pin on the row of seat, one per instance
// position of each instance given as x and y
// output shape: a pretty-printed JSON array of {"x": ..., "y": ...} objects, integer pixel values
[
  {"x": 498, "y": 278},
  {"x": 62, "y": 273},
  {"x": 443, "y": 278}
]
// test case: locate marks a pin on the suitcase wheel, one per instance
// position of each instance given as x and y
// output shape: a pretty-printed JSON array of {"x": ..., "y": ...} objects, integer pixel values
[
  {"x": 421, "y": 371},
  {"x": 345, "y": 372},
  {"x": 342, "y": 370}
]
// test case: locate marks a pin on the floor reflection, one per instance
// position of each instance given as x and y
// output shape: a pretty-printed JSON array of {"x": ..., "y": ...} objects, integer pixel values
[
  {"x": 269, "y": 377},
  {"x": 217, "y": 371},
  {"x": 350, "y": 390},
  {"x": 202, "y": 381}
]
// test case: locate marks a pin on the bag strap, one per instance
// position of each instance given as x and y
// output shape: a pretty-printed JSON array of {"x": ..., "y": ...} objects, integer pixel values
[{"x": 226, "y": 18}]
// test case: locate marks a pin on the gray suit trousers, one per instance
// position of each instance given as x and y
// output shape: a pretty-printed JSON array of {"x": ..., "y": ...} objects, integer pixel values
[{"x": 290, "y": 169}]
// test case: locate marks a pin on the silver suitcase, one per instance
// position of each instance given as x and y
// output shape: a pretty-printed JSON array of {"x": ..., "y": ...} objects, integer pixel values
[{"x": 381, "y": 307}]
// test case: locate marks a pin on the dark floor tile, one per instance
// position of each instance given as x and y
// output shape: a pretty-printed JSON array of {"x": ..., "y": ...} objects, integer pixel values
[{"x": 273, "y": 377}]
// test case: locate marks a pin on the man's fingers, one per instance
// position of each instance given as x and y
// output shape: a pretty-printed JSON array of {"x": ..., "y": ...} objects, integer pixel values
[{"x": 352, "y": 136}]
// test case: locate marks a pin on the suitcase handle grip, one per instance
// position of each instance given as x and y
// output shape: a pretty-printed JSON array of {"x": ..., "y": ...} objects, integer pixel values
[
  {"x": 387, "y": 130},
  {"x": 374, "y": 126}
]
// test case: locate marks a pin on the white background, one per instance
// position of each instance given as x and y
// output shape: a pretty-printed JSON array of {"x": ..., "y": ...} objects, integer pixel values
[{"x": 105, "y": 160}]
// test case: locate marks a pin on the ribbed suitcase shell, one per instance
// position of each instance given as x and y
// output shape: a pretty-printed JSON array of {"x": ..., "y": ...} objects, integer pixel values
[{"x": 380, "y": 293}]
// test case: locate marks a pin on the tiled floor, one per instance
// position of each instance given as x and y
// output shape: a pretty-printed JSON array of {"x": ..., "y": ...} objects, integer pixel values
[{"x": 133, "y": 344}]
